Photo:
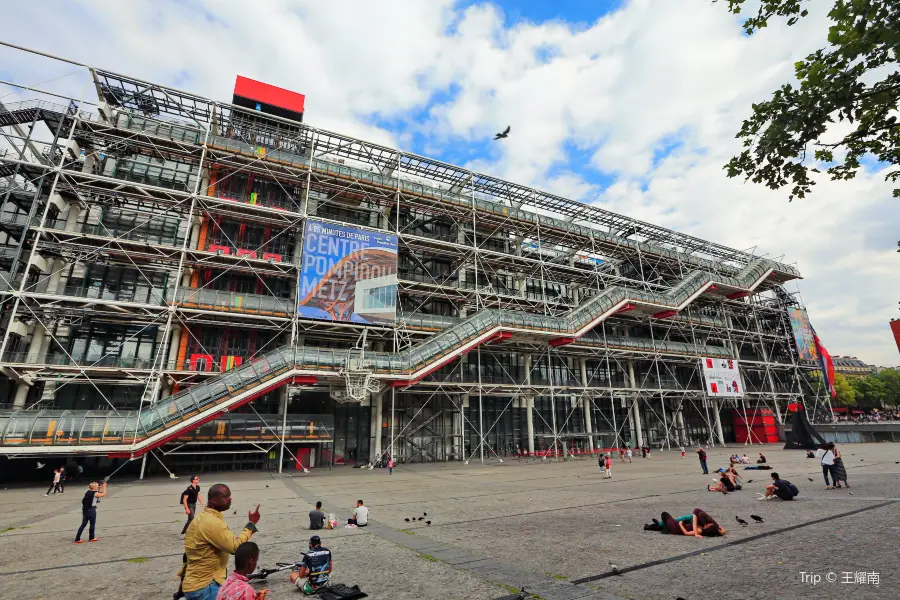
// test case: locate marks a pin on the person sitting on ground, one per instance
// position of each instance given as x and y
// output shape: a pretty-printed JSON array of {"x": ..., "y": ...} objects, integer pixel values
[
  {"x": 315, "y": 569},
  {"x": 237, "y": 586},
  {"x": 727, "y": 483},
  {"x": 745, "y": 459},
  {"x": 761, "y": 460},
  {"x": 317, "y": 517},
  {"x": 360, "y": 516},
  {"x": 780, "y": 488},
  {"x": 810, "y": 454}
]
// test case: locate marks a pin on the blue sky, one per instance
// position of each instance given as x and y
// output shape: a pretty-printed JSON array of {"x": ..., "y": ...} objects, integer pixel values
[{"x": 632, "y": 105}]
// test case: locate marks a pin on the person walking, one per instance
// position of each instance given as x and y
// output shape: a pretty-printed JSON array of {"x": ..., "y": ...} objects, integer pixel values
[
  {"x": 189, "y": 499},
  {"x": 390, "y": 465},
  {"x": 826, "y": 458},
  {"x": 89, "y": 511},
  {"x": 209, "y": 542},
  {"x": 61, "y": 484},
  {"x": 601, "y": 462},
  {"x": 629, "y": 453},
  {"x": 701, "y": 454},
  {"x": 53, "y": 484},
  {"x": 838, "y": 470},
  {"x": 608, "y": 466}
]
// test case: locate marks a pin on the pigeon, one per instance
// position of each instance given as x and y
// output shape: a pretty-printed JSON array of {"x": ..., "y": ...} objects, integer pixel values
[
  {"x": 615, "y": 568},
  {"x": 851, "y": 493},
  {"x": 407, "y": 520},
  {"x": 424, "y": 514},
  {"x": 862, "y": 459},
  {"x": 41, "y": 465},
  {"x": 749, "y": 481},
  {"x": 234, "y": 513},
  {"x": 740, "y": 520},
  {"x": 503, "y": 135},
  {"x": 420, "y": 518},
  {"x": 756, "y": 518},
  {"x": 428, "y": 522},
  {"x": 810, "y": 478},
  {"x": 896, "y": 462},
  {"x": 267, "y": 485}
]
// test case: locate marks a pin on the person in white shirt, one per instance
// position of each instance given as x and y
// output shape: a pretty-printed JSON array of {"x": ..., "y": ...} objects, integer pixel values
[
  {"x": 360, "y": 515},
  {"x": 826, "y": 457}
]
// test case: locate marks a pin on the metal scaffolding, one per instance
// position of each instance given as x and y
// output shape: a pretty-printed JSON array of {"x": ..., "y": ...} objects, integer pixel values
[{"x": 151, "y": 239}]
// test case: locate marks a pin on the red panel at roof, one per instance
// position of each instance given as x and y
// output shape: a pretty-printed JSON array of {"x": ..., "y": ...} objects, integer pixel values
[
  {"x": 895, "y": 327},
  {"x": 268, "y": 94}
]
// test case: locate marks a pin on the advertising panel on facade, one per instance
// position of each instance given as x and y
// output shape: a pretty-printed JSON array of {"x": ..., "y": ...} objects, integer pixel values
[
  {"x": 348, "y": 274},
  {"x": 803, "y": 334},
  {"x": 722, "y": 377}
]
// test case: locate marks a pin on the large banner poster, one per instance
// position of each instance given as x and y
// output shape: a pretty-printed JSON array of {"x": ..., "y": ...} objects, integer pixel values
[
  {"x": 348, "y": 274},
  {"x": 803, "y": 334},
  {"x": 723, "y": 377}
]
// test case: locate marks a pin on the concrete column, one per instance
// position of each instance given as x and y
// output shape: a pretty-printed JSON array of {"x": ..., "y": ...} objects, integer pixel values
[
  {"x": 282, "y": 410},
  {"x": 72, "y": 217},
  {"x": 174, "y": 343},
  {"x": 636, "y": 421},
  {"x": 21, "y": 395},
  {"x": 529, "y": 420},
  {"x": 586, "y": 401},
  {"x": 719, "y": 434},
  {"x": 635, "y": 411},
  {"x": 56, "y": 283},
  {"x": 679, "y": 421},
  {"x": 36, "y": 345},
  {"x": 379, "y": 404},
  {"x": 374, "y": 425}
]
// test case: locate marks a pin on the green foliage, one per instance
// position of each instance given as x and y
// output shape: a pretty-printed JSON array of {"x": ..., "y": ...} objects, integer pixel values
[
  {"x": 846, "y": 393},
  {"x": 871, "y": 391},
  {"x": 854, "y": 79}
]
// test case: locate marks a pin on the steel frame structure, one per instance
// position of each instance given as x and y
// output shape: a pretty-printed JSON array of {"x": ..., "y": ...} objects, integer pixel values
[{"x": 70, "y": 174}]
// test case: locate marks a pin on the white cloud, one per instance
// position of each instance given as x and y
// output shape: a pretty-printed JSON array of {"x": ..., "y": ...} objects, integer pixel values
[{"x": 653, "y": 75}]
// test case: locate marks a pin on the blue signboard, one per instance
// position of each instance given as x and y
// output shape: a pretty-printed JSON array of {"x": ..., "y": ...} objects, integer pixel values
[{"x": 348, "y": 274}]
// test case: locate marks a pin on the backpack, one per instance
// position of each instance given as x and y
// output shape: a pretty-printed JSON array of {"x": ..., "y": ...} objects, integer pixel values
[{"x": 793, "y": 488}]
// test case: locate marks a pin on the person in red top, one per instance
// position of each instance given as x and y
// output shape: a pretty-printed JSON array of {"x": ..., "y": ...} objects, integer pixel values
[{"x": 237, "y": 587}]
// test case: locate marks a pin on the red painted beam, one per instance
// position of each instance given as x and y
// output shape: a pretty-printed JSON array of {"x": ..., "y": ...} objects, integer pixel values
[
  {"x": 563, "y": 341},
  {"x": 665, "y": 314},
  {"x": 499, "y": 337},
  {"x": 303, "y": 380},
  {"x": 737, "y": 295},
  {"x": 627, "y": 307},
  {"x": 712, "y": 288}
]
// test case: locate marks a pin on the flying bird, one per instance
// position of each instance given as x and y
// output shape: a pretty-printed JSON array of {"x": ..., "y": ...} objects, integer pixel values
[
  {"x": 503, "y": 135},
  {"x": 756, "y": 518},
  {"x": 810, "y": 478},
  {"x": 749, "y": 481},
  {"x": 41, "y": 465},
  {"x": 740, "y": 520}
]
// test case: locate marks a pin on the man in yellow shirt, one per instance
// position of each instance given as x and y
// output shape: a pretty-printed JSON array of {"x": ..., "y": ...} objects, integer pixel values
[{"x": 208, "y": 543}]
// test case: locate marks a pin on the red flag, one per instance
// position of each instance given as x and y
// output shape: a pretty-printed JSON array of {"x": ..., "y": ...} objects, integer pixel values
[{"x": 826, "y": 365}]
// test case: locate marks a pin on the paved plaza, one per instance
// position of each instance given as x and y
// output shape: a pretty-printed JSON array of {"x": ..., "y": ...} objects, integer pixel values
[{"x": 554, "y": 527}]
